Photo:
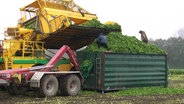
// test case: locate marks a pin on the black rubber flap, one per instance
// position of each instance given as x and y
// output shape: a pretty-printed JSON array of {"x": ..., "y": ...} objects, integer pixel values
[{"x": 74, "y": 36}]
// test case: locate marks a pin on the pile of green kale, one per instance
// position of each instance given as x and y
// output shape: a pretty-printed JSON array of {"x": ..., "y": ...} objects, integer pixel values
[
  {"x": 117, "y": 42},
  {"x": 98, "y": 24}
]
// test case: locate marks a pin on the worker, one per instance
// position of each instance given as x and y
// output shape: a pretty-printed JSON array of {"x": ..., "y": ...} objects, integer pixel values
[
  {"x": 143, "y": 36},
  {"x": 102, "y": 41}
]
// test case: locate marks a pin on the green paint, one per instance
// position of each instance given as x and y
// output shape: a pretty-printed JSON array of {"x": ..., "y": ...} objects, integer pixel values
[
  {"x": 1, "y": 60},
  {"x": 63, "y": 61},
  {"x": 23, "y": 61},
  {"x": 40, "y": 61}
]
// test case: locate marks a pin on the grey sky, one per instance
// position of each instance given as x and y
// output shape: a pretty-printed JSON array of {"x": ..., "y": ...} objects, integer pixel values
[{"x": 158, "y": 18}]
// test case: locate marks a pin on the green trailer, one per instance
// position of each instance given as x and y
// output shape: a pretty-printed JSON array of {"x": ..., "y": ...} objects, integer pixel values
[{"x": 117, "y": 71}]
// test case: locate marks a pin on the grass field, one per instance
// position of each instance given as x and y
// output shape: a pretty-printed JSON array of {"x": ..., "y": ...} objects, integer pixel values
[
  {"x": 176, "y": 71},
  {"x": 174, "y": 94}
]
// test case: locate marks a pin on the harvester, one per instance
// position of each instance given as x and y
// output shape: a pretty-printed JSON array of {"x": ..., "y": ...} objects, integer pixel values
[{"x": 46, "y": 24}]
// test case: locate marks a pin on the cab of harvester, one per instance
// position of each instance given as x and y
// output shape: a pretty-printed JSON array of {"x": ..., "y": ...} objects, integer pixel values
[{"x": 25, "y": 45}]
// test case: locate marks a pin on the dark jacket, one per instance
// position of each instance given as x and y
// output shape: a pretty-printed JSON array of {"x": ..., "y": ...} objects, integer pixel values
[{"x": 101, "y": 39}]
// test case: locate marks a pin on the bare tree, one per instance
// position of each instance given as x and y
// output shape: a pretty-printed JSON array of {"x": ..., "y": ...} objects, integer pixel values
[{"x": 179, "y": 33}]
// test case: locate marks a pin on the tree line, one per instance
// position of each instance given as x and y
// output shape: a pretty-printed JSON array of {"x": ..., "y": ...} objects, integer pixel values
[{"x": 174, "y": 46}]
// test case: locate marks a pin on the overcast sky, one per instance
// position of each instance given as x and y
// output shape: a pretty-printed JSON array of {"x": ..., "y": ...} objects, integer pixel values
[{"x": 158, "y": 18}]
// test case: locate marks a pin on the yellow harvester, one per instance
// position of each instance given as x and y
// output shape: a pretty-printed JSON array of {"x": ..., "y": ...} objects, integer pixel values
[{"x": 45, "y": 24}]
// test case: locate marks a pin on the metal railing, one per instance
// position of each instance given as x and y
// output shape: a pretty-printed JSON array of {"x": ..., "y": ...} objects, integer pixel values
[{"x": 14, "y": 48}]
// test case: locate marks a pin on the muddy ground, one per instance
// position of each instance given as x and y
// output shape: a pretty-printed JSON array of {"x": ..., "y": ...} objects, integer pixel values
[{"x": 96, "y": 98}]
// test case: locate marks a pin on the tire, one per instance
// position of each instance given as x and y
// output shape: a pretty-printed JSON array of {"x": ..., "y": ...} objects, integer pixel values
[
  {"x": 2, "y": 88},
  {"x": 70, "y": 85},
  {"x": 16, "y": 90},
  {"x": 10, "y": 90},
  {"x": 49, "y": 86}
]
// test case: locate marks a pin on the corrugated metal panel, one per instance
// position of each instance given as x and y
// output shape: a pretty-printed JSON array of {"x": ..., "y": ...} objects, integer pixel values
[
  {"x": 124, "y": 71},
  {"x": 90, "y": 82},
  {"x": 116, "y": 71}
]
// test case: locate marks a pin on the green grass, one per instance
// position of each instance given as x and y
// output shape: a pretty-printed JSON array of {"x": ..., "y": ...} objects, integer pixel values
[
  {"x": 177, "y": 77},
  {"x": 176, "y": 71},
  {"x": 176, "y": 74},
  {"x": 85, "y": 92},
  {"x": 148, "y": 91}
]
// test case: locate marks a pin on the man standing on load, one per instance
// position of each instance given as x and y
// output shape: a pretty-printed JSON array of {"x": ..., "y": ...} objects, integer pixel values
[{"x": 143, "y": 36}]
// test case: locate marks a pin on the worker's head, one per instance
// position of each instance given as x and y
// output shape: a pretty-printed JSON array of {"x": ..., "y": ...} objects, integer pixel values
[
  {"x": 101, "y": 33},
  {"x": 141, "y": 32}
]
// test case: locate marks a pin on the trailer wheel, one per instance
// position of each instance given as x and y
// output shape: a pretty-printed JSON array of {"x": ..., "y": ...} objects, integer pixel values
[
  {"x": 16, "y": 90},
  {"x": 70, "y": 85},
  {"x": 2, "y": 88},
  {"x": 49, "y": 86}
]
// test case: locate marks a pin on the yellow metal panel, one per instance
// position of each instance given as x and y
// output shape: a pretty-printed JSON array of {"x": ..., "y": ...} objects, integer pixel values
[
  {"x": 15, "y": 66},
  {"x": 23, "y": 31},
  {"x": 17, "y": 78},
  {"x": 70, "y": 14},
  {"x": 56, "y": 23},
  {"x": 51, "y": 25},
  {"x": 2, "y": 67},
  {"x": 64, "y": 67},
  {"x": 34, "y": 4},
  {"x": 45, "y": 25}
]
